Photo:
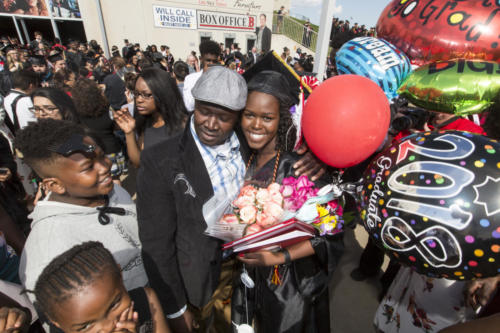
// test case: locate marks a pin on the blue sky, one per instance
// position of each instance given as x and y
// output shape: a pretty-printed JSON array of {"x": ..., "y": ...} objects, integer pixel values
[{"x": 361, "y": 11}]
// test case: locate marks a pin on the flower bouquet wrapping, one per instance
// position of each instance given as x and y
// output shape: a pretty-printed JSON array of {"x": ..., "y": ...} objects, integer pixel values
[{"x": 296, "y": 209}]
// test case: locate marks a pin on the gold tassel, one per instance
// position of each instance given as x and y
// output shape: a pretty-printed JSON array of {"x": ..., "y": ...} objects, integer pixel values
[{"x": 276, "y": 279}]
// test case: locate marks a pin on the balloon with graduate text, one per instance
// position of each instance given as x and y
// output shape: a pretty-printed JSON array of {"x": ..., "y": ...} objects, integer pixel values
[
  {"x": 432, "y": 202},
  {"x": 345, "y": 120},
  {"x": 459, "y": 86},
  {"x": 376, "y": 59},
  {"x": 433, "y": 30}
]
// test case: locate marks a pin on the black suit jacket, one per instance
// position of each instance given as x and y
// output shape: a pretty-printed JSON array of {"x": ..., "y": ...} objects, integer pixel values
[
  {"x": 115, "y": 91},
  {"x": 182, "y": 263},
  {"x": 266, "y": 38}
]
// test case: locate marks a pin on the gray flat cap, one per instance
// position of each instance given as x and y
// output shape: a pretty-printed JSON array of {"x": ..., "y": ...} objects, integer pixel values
[{"x": 221, "y": 86}]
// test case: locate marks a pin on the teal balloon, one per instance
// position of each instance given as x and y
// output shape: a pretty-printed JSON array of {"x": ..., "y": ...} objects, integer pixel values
[{"x": 376, "y": 59}]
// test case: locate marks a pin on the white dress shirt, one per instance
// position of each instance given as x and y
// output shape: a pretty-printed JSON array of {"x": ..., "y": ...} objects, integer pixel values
[{"x": 189, "y": 83}]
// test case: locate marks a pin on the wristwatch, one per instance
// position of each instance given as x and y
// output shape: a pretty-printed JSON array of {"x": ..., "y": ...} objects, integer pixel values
[{"x": 288, "y": 259}]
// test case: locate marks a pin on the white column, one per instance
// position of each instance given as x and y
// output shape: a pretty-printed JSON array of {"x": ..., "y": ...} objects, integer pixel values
[
  {"x": 54, "y": 28},
  {"x": 103, "y": 29},
  {"x": 21, "y": 39},
  {"x": 26, "y": 34},
  {"x": 325, "y": 27},
  {"x": 52, "y": 21}
]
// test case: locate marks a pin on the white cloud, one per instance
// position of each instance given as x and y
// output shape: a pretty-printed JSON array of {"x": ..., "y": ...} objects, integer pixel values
[{"x": 337, "y": 10}]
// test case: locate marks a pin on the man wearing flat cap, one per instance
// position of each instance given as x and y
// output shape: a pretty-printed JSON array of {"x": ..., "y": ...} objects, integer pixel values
[{"x": 176, "y": 179}]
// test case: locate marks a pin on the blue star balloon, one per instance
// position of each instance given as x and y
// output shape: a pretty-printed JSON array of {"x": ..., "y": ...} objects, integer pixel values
[{"x": 376, "y": 59}]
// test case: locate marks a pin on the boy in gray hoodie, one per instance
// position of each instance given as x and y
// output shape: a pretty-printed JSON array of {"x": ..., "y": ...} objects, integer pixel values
[{"x": 83, "y": 204}]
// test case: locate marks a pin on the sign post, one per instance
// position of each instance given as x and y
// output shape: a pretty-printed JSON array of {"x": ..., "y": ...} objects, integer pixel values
[{"x": 325, "y": 28}]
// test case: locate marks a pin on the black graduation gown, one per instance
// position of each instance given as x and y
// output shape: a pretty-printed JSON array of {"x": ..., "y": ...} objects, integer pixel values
[{"x": 300, "y": 303}]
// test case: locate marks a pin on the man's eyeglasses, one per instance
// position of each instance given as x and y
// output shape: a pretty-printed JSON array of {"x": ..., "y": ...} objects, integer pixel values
[
  {"x": 46, "y": 110},
  {"x": 138, "y": 94}
]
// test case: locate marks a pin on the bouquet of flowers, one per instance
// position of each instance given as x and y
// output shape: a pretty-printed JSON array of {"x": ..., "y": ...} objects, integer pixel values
[
  {"x": 256, "y": 209},
  {"x": 300, "y": 193}
]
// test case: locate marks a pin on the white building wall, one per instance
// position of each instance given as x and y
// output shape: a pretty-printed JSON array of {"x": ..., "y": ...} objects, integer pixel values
[{"x": 133, "y": 20}]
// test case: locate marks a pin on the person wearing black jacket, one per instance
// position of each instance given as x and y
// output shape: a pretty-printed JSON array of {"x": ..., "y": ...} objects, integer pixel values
[
  {"x": 264, "y": 36},
  {"x": 115, "y": 84},
  {"x": 174, "y": 182}
]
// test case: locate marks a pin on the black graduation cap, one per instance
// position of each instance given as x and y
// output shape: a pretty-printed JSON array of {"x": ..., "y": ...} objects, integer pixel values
[
  {"x": 38, "y": 60},
  {"x": 55, "y": 56},
  {"x": 273, "y": 62}
]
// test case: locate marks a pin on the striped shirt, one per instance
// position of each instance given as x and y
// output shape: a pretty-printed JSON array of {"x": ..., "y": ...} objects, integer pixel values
[{"x": 224, "y": 164}]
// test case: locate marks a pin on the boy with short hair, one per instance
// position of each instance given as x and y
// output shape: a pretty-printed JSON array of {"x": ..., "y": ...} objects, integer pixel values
[
  {"x": 17, "y": 103},
  {"x": 82, "y": 204}
]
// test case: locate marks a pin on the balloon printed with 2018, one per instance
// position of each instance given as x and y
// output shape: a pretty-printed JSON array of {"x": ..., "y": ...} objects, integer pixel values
[{"x": 432, "y": 201}]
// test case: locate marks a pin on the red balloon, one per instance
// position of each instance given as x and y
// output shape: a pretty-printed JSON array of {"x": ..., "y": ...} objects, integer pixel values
[
  {"x": 345, "y": 120},
  {"x": 433, "y": 30}
]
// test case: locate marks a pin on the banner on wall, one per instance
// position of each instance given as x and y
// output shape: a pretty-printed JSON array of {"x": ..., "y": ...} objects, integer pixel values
[
  {"x": 226, "y": 21},
  {"x": 32, "y": 8},
  {"x": 172, "y": 17},
  {"x": 58, "y": 8},
  {"x": 64, "y": 8}
]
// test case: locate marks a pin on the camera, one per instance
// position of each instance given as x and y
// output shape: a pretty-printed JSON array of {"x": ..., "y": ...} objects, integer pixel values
[{"x": 411, "y": 117}]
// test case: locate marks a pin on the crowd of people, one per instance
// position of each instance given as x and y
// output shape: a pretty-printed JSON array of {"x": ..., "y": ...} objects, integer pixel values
[
  {"x": 342, "y": 31},
  {"x": 79, "y": 255}
]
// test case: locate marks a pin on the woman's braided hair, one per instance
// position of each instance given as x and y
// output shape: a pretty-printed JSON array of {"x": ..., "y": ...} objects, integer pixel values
[
  {"x": 70, "y": 271},
  {"x": 285, "y": 137}
]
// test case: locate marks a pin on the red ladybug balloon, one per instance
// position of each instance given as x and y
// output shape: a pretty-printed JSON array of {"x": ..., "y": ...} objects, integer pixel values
[
  {"x": 345, "y": 120},
  {"x": 433, "y": 30}
]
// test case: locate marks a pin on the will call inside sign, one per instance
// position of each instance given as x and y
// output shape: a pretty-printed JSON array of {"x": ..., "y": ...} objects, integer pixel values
[{"x": 226, "y": 21}]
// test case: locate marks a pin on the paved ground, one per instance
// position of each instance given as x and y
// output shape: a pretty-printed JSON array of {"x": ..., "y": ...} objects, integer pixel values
[{"x": 352, "y": 304}]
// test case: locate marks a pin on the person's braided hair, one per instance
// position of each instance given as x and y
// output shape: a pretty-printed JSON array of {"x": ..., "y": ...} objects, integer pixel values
[
  {"x": 70, "y": 271},
  {"x": 285, "y": 137}
]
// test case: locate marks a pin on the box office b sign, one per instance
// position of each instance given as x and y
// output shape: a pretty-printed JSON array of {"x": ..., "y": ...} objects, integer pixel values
[
  {"x": 171, "y": 17},
  {"x": 226, "y": 21}
]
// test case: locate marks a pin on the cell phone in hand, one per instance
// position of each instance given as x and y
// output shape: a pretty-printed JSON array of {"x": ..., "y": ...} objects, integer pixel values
[{"x": 4, "y": 171}]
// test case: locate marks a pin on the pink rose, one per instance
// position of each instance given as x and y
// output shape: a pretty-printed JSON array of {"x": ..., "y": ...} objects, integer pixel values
[
  {"x": 229, "y": 219},
  {"x": 303, "y": 181},
  {"x": 243, "y": 201},
  {"x": 273, "y": 209},
  {"x": 274, "y": 188},
  {"x": 289, "y": 205},
  {"x": 248, "y": 191},
  {"x": 290, "y": 181},
  {"x": 262, "y": 196},
  {"x": 265, "y": 221},
  {"x": 287, "y": 190},
  {"x": 277, "y": 198},
  {"x": 334, "y": 205},
  {"x": 302, "y": 192},
  {"x": 252, "y": 229},
  {"x": 248, "y": 214}
]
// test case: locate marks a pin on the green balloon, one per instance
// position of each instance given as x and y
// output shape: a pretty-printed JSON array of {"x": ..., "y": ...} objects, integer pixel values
[{"x": 459, "y": 86}]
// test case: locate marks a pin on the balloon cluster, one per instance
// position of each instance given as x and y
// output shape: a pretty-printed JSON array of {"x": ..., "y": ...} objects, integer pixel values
[
  {"x": 431, "y": 200},
  {"x": 446, "y": 35}
]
